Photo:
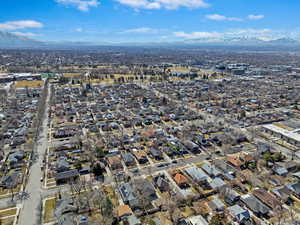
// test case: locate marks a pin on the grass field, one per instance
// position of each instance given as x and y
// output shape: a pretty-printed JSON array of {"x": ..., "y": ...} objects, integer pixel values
[
  {"x": 29, "y": 83},
  {"x": 49, "y": 210}
]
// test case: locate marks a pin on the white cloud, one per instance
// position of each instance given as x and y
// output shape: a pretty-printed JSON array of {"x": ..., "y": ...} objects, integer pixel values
[
  {"x": 167, "y": 4},
  {"x": 79, "y": 29},
  {"x": 21, "y": 24},
  {"x": 26, "y": 34},
  {"x": 219, "y": 17},
  {"x": 82, "y": 5},
  {"x": 140, "y": 30},
  {"x": 255, "y": 17},
  {"x": 197, "y": 35}
]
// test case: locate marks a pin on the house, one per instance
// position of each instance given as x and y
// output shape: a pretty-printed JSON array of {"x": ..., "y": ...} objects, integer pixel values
[
  {"x": 156, "y": 154},
  {"x": 255, "y": 205},
  {"x": 297, "y": 175},
  {"x": 141, "y": 156},
  {"x": 197, "y": 174},
  {"x": 10, "y": 181},
  {"x": 15, "y": 158},
  {"x": 127, "y": 194},
  {"x": 216, "y": 205},
  {"x": 267, "y": 198},
  {"x": 194, "y": 148},
  {"x": 124, "y": 211},
  {"x": 62, "y": 165},
  {"x": 115, "y": 162},
  {"x": 181, "y": 180},
  {"x": 128, "y": 159},
  {"x": 146, "y": 188},
  {"x": 85, "y": 170},
  {"x": 66, "y": 176},
  {"x": 202, "y": 207},
  {"x": 282, "y": 193},
  {"x": 235, "y": 161},
  {"x": 230, "y": 195},
  {"x": 65, "y": 210},
  {"x": 294, "y": 188},
  {"x": 239, "y": 214},
  {"x": 211, "y": 170},
  {"x": 281, "y": 171},
  {"x": 162, "y": 183},
  {"x": 197, "y": 220},
  {"x": 217, "y": 183}
]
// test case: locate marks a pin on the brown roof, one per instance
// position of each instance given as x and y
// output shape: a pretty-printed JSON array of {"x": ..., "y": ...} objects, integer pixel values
[
  {"x": 180, "y": 179},
  {"x": 201, "y": 207},
  {"x": 234, "y": 160},
  {"x": 267, "y": 198},
  {"x": 114, "y": 160},
  {"x": 124, "y": 210},
  {"x": 139, "y": 154},
  {"x": 245, "y": 175}
]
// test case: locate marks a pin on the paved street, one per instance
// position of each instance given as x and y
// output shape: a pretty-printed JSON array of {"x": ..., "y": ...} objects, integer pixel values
[{"x": 29, "y": 214}]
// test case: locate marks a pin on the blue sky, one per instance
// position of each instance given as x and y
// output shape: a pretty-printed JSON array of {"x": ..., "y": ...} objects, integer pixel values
[{"x": 150, "y": 20}]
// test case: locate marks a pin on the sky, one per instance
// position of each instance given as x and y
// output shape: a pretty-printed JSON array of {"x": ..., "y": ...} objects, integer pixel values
[{"x": 150, "y": 20}]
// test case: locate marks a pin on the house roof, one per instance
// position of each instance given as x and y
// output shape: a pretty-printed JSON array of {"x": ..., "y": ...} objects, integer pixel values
[
  {"x": 161, "y": 181},
  {"x": 67, "y": 174},
  {"x": 196, "y": 173},
  {"x": 254, "y": 204},
  {"x": 197, "y": 220},
  {"x": 217, "y": 183},
  {"x": 216, "y": 204},
  {"x": 180, "y": 179},
  {"x": 295, "y": 187},
  {"x": 114, "y": 160},
  {"x": 267, "y": 198},
  {"x": 211, "y": 169},
  {"x": 234, "y": 160},
  {"x": 140, "y": 154},
  {"x": 239, "y": 213},
  {"x": 124, "y": 210},
  {"x": 201, "y": 207},
  {"x": 126, "y": 192}
]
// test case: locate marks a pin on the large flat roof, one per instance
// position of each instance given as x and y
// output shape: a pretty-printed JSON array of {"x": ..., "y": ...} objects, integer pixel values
[{"x": 292, "y": 134}]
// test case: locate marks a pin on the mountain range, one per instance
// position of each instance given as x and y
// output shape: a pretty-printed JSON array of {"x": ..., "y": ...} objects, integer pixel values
[{"x": 10, "y": 40}]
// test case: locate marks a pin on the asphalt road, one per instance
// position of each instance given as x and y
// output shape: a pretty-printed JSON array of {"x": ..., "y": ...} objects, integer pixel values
[{"x": 29, "y": 214}]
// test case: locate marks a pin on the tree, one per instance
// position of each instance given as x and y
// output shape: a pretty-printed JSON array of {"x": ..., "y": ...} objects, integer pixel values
[
  {"x": 218, "y": 219},
  {"x": 100, "y": 153},
  {"x": 78, "y": 165},
  {"x": 98, "y": 170}
]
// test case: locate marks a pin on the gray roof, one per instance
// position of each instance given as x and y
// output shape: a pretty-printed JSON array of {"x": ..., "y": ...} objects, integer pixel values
[
  {"x": 127, "y": 192},
  {"x": 128, "y": 157},
  {"x": 297, "y": 175},
  {"x": 211, "y": 169},
  {"x": 254, "y": 204},
  {"x": 281, "y": 171},
  {"x": 239, "y": 213},
  {"x": 16, "y": 156},
  {"x": 196, "y": 173},
  {"x": 67, "y": 174},
  {"x": 217, "y": 183},
  {"x": 216, "y": 204}
]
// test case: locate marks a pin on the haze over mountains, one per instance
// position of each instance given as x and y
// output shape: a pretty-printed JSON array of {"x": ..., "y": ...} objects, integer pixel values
[{"x": 10, "y": 40}]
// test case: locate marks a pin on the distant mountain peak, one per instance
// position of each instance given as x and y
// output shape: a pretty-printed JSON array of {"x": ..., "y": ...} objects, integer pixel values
[{"x": 9, "y": 40}]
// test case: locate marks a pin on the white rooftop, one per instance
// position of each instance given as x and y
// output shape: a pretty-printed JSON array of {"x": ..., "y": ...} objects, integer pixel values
[{"x": 290, "y": 134}]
